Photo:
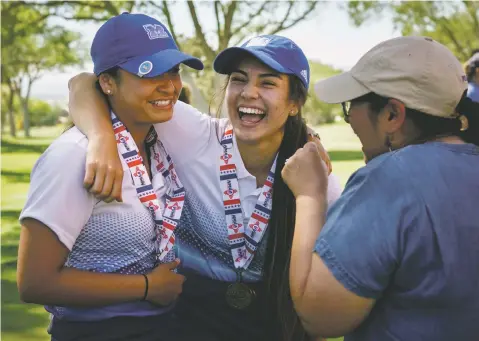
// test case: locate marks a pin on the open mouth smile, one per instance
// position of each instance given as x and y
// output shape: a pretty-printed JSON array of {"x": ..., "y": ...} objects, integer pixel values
[{"x": 251, "y": 115}]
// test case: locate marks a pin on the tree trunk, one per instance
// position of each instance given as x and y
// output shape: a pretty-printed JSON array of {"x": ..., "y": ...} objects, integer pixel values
[
  {"x": 26, "y": 112},
  {"x": 26, "y": 117},
  {"x": 11, "y": 116},
  {"x": 4, "y": 118},
  {"x": 198, "y": 100}
]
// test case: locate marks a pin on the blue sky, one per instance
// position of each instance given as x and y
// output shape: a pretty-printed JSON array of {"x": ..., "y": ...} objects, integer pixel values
[{"x": 328, "y": 37}]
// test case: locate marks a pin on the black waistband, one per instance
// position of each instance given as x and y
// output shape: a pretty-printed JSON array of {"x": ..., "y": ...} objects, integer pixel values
[
  {"x": 201, "y": 286},
  {"x": 144, "y": 328}
]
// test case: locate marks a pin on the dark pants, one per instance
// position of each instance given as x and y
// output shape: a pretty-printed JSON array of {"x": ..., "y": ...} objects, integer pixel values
[
  {"x": 149, "y": 328},
  {"x": 204, "y": 315}
]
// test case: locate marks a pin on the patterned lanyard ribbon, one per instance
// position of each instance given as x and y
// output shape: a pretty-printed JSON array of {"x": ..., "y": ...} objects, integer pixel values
[
  {"x": 243, "y": 240},
  {"x": 166, "y": 221}
]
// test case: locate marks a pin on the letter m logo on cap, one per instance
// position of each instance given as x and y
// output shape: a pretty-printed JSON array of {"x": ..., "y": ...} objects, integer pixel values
[
  {"x": 155, "y": 31},
  {"x": 258, "y": 41}
]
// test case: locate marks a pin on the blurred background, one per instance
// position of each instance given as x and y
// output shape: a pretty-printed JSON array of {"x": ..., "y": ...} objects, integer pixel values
[{"x": 45, "y": 43}]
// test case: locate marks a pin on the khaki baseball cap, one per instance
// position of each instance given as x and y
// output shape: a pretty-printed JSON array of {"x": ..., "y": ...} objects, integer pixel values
[{"x": 418, "y": 71}]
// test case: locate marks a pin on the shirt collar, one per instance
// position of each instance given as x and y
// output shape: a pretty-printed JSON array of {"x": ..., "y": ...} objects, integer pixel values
[{"x": 241, "y": 170}]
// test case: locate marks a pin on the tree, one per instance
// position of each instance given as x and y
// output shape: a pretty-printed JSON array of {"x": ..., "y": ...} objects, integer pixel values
[
  {"x": 453, "y": 23},
  {"x": 234, "y": 21},
  {"x": 30, "y": 47},
  {"x": 18, "y": 22}
]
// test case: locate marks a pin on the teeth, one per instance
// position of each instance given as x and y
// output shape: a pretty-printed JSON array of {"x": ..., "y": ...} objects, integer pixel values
[
  {"x": 250, "y": 111},
  {"x": 161, "y": 103}
]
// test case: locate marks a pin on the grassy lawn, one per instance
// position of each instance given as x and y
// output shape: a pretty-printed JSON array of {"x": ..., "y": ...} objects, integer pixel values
[{"x": 26, "y": 322}]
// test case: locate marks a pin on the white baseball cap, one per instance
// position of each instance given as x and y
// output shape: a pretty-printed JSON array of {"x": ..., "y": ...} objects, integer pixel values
[{"x": 418, "y": 71}]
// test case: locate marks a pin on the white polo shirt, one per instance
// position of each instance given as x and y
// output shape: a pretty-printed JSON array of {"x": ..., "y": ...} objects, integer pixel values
[
  {"x": 193, "y": 141},
  {"x": 102, "y": 237}
]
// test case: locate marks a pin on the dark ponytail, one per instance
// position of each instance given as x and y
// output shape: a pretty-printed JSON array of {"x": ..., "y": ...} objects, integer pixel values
[
  {"x": 470, "y": 110},
  {"x": 286, "y": 325}
]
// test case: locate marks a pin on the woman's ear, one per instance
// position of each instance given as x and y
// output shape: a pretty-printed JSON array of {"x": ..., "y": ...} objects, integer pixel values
[
  {"x": 107, "y": 84},
  {"x": 396, "y": 115},
  {"x": 294, "y": 110}
]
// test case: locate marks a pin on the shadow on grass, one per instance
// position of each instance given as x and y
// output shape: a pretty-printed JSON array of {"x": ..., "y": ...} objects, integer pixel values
[
  {"x": 10, "y": 214},
  {"x": 10, "y": 238},
  {"x": 16, "y": 176},
  {"x": 14, "y": 147},
  {"x": 345, "y": 155},
  {"x": 20, "y": 321},
  {"x": 19, "y": 318}
]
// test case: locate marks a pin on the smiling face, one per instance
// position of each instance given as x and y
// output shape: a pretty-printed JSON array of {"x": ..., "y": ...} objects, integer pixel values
[
  {"x": 369, "y": 132},
  {"x": 380, "y": 128},
  {"x": 143, "y": 101},
  {"x": 258, "y": 103}
]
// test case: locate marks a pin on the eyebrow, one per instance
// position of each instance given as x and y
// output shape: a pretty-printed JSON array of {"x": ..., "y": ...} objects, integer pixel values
[{"x": 263, "y": 75}]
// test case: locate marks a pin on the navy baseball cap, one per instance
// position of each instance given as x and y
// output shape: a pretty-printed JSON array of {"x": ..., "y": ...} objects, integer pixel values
[
  {"x": 138, "y": 44},
  {"x": 279, "y": 53}
]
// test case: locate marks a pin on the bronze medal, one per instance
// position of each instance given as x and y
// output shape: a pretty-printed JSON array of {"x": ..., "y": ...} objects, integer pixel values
[{"x": 239, "y": 295}]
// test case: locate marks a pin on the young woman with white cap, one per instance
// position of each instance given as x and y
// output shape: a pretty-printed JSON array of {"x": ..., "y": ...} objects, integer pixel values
[
  {"x": 94, "y": 264},
  {"x": 397, "y": 257},
  {"x": 234, "y": 237}
]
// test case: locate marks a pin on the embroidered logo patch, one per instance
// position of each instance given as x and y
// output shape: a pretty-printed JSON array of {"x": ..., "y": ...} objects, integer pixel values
[
  {"x": 155, "y": 31},
  {"x": 258, "y": 41},
  {"x": 304, "y": 73}
]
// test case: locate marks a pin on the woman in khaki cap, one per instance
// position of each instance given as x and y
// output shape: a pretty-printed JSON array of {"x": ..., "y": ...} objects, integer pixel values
[{"x": 397, "y": 255}]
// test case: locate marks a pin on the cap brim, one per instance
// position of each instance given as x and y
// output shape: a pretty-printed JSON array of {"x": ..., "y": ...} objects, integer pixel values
[
  {"x": 162, "y": 62},
  {"x": 339, "y": 89},
  {"x": 226, "y": 60}
]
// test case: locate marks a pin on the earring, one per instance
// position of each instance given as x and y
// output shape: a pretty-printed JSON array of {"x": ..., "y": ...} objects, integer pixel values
[
  {"x": 108, "y": 92},
  {"x": 388, "y": 143},
  {"x": 464, "y": 122}
]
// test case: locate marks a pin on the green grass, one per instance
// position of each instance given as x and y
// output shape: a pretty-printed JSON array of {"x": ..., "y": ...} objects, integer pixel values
[{"x": 27, "y": 322}]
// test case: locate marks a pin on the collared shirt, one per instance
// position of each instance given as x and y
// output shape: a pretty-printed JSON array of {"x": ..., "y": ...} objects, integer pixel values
[
  {"x": 193, "y": 141},
  {"x": 116, "y": 237},
  {"x": 405, "y": 232}
]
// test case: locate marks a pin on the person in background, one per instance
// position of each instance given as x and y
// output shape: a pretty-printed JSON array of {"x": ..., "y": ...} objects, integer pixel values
[
  {"x": 397, "y": 258},
  {"x": 95, "y": 264},
  {"x": 472, "y": 72}
]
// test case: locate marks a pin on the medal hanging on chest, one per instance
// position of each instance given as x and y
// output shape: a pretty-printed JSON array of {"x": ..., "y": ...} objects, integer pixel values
[
  {"x": 243, "y": 240},
  {"x": 165, "y": 219}
]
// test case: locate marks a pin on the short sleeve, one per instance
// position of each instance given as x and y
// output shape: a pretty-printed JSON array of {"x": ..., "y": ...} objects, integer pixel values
[
  {"x": 334, "y": 189},
  {"x": 188, "y": 133},
  {"x": 56, "y": 196},
  {"x": 360, "y": 242}
]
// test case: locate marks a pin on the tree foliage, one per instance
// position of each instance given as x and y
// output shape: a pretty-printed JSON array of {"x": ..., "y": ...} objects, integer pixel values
[
  {"x": 453, "y": 23},
  {"x": 234, "y": 21},
  {"x": 30, "y": 47}
]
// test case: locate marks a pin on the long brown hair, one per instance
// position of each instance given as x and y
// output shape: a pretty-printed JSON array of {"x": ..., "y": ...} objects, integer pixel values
[
  {"x": 286, "y": 325},
  {"x": 281, "y": 227}
]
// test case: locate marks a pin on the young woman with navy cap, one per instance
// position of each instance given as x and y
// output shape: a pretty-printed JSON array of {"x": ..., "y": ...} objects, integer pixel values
[
  {"x": 94, "y": 264},
  {"x": 234, "y": 236}
]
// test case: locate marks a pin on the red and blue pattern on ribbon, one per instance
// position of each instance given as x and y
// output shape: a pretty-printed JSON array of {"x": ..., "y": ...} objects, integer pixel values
[
  {"x": 166, "y": 221},
  {"x": 243, "y": 240}
]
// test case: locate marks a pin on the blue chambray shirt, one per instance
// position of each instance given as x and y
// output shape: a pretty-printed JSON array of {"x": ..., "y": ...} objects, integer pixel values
[
  {"x": 473, "y": 92},
  {"x": 405, "y": 232}
]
